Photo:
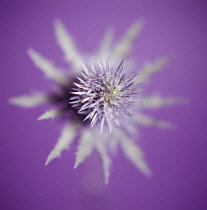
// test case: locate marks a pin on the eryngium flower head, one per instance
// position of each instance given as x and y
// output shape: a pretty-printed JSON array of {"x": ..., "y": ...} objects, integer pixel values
[{"x": 105, "y": 94}]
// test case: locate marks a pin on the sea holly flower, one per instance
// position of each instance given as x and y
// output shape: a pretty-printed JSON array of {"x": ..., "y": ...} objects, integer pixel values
[{"x": 99, "y": 98}]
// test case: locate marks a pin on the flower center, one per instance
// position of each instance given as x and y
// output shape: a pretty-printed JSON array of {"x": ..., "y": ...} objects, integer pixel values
[{"x": 103, "y": 94}]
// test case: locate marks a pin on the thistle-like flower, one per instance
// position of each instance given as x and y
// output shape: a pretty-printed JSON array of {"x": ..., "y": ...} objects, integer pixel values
[{"x": 99, "y": 96}]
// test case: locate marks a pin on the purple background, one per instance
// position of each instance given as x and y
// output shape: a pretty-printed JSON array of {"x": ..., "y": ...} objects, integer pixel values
[{"x": 177, "y": 157}]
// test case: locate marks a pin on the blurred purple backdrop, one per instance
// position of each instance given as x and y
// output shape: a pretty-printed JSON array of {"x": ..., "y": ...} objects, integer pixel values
[{"x": 177, "y": 157}]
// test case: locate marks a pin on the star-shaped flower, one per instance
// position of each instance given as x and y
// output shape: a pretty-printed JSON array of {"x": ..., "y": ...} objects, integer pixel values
[{"x": 99, "y": 98}]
